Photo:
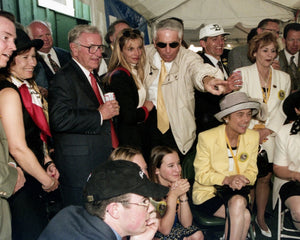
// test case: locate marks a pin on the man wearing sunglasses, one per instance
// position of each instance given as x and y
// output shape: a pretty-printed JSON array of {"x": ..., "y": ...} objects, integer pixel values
[
  {"x": 212, "y": 40},
  {"x": 171, "y": 74},
  {"x": 116, "y": 205},
  {"x": 238, "y": 57}
]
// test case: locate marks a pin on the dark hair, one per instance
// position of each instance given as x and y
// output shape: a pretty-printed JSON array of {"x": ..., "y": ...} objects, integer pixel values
[
  {"x": 251, "y": 34},
  {"x": 260, "y": 41},
  {"x": 157, "y": 155},
  {"x": 8, "y": 15},
  {"x": 289, "y": 27},
  {"x": 265, "y": 22},
  {"x": 111, "y": 29}
]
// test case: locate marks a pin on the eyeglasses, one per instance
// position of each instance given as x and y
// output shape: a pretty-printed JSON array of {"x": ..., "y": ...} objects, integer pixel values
[
  {"x": 94, "y": 48},
  {"x": 127, "y": 32},
  {"x": 146, "y": 203},
  {"x": 163, "y": 45},
  {"x": 272, "y": 30}
]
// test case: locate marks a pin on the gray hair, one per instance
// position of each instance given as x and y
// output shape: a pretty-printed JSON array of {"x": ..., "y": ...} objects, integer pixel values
[
  {"x": 47, "y": 24},
  {"x": 75, "y": 32},
  {"x": 168, "y": 24}
]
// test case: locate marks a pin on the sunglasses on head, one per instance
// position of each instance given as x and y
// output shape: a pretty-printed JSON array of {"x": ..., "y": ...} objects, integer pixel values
[
  {"x": 127, "y": 32},
  {"x": 163, "y": 45}
]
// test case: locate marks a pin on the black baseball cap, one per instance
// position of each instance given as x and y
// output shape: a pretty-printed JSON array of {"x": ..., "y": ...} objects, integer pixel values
[{"x": 115, "y": 178}]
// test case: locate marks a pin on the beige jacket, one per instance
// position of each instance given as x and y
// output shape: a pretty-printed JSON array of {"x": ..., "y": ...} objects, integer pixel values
[{"x": 186, "y": 73}]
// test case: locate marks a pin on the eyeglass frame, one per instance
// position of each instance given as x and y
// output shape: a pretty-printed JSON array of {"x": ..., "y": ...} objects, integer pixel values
[
  {"x": 174, "y": 44},
  {"x": 146, "y": 204},
  {"x": 89, "y": 47}
]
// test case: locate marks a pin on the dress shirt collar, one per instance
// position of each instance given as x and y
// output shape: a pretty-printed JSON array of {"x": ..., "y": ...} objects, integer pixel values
[{"x": 288, "y": 57}]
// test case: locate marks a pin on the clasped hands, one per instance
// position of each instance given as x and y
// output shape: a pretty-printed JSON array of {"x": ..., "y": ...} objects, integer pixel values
[{"x": 236, "y": 182}]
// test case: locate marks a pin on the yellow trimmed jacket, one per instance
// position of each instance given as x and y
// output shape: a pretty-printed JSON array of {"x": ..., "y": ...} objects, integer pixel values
[{"x": 212, "y": 165}]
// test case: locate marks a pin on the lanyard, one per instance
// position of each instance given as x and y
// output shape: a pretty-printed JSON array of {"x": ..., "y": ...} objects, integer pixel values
[
  {"x": 266, "y": 97},
  {"x": 234, "y": 156}
]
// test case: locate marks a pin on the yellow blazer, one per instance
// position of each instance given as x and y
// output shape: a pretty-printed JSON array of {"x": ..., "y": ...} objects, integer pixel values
[{"x": 212, "y": 165}]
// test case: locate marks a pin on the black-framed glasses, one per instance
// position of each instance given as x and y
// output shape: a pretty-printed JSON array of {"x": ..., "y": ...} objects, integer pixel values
[
  {"x": 163, "y": 45},
  {"x": 94, "y": 48},
  {"x": 272, "y": 30},
  {"x": 146, "y": 203},
  {"x": 127, "y": 32}
]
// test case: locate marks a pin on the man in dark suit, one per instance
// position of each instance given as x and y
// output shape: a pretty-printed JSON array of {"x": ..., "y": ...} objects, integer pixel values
[
  {"x": 289, "y": 57},
  {"x": 50, "y": 58},
  {"x": 80, "y": 119},
  {"x": 212, "y": 39}
]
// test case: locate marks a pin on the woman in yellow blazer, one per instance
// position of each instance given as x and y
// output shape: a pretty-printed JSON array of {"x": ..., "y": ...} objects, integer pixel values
[{"x": 225, "y": 164}]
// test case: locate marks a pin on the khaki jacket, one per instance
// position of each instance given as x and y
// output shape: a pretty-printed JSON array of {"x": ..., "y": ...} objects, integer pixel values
[
  {"x": 186, "y": 73},
  {"x": 8, "y": 180},
  {"x": 211, "y": 162}
]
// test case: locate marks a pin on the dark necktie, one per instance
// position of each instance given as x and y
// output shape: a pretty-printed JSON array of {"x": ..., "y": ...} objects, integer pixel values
[
  {"x": 114, "y": 138},
  {"x": 54, "y": 65},
  {"x": 220, "y": 66},
  {"x": 293, "y": 67}
]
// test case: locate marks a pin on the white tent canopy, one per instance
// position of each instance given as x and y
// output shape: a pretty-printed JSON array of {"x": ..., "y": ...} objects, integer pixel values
[{"x": 236, "y": 16}]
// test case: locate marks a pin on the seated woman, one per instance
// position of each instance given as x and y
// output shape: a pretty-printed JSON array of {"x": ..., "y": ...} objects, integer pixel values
[
  {"x": 287, "y": 159},
  {"x": 125, "y": 78},
  {"x": 130, "y": 154},
  {"x": 174, "y": 210},
  {"x": 25, "y": 124},
  {"x": 225, "y": 165}
]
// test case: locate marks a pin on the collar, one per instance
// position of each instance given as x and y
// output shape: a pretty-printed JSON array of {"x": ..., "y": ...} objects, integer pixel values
[
  {"x": 213, "y": 59},
  {"x": 288, "y": 57},
  {"x": 44, "y": 55},
  {"x": 85, "y": 71}
]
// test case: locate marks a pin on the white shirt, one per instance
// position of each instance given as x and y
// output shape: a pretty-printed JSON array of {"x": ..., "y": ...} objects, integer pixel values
[
  {"x": 53, "y": 56},
  {"x": 215, "y": 63},
  {"x": 87, "y": 74},
  {"x": 152, "y": 91}
]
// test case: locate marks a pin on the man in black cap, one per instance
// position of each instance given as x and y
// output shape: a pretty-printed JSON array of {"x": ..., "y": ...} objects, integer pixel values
[{"x": 117, "y": 205}]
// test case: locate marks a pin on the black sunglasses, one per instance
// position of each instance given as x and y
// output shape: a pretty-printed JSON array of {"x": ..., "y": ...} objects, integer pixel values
[
  {"x": 163, "y": 45},
  {"x": 127, "y": 32}
]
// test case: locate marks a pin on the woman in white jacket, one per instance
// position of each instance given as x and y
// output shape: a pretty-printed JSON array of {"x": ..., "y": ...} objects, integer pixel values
[{"x": 271, "y": 86}]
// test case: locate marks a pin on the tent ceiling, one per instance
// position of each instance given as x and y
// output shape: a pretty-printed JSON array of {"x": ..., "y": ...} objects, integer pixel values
[{"x": 236, "y": 16}]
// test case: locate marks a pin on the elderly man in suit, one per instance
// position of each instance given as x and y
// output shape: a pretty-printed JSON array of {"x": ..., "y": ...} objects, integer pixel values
[
  {"x": 80, "y": 118},
  {"x": 50, "y": 58},
  {"x": 11, "y": 177},
  {"x": 289, "y": 57}
]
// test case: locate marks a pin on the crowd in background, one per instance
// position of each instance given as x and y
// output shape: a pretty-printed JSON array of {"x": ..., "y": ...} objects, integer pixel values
[{"x": 70, "y": 119}]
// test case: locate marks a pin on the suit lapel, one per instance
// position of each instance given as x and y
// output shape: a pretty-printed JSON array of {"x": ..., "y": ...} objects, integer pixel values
[{"x": 83, "y": 83}]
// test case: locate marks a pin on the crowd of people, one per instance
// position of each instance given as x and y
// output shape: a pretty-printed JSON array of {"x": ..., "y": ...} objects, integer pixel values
[{"x": 111, "y": 147}]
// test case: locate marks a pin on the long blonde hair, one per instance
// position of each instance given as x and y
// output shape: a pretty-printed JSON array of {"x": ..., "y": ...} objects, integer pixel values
[{"x": 117, "y": 59}]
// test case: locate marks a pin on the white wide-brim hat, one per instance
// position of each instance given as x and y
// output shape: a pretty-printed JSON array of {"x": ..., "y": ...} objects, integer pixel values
[{"x": 236, "y": 101}]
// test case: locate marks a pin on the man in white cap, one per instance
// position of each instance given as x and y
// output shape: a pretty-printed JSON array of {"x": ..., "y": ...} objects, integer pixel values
[{"x": 212, "y": 39}]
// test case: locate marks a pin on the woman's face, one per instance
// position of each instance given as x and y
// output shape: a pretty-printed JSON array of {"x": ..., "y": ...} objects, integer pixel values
[
  {"x": 238, "y": 122},
  {"x": 265, "y": 55},
  {"x": 132, "y": 51},
  {"x": 170, "y": 169},
  {"x": 24, "y": 64}
]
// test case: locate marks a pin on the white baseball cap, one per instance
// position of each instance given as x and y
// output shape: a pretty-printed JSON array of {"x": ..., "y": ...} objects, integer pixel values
[{"x": 212, "y": 30}]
